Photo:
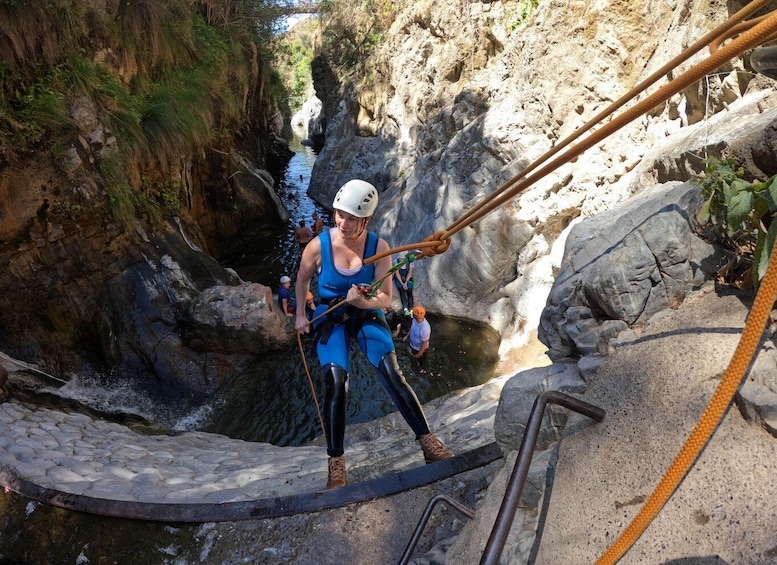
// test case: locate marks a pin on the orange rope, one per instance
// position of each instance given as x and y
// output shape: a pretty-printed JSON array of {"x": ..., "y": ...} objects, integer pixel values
[
  {"x": 748, "y": 343},
  {"x": 722, "y": 30},
  {"x": 310, "y": 382},
  {"x": 757, "y": 32}
]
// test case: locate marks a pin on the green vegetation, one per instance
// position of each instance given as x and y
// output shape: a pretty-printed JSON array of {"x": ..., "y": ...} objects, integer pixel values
[
  {"x": 525, "y": 10},
  {"x": 292, "y": 57},
  {"x": 740, "y": 213},
  {"x": 167, "y": 78},
  {"x": 351, "y": 34}
]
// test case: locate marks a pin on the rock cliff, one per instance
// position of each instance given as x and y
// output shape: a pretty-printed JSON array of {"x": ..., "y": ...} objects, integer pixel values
[
  {"x": 463, "y": 95},
  {"x": 601, "y": 256},
  {"x": 109, "y": 224}
]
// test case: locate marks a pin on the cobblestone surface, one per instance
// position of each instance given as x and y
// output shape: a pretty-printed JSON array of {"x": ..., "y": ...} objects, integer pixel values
[{"x": 77, "y": 454}]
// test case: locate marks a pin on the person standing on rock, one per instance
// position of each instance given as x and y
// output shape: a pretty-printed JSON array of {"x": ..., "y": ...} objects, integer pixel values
[
  {"x": 403, "y": 279},
  {"x": 339, "y": 253}
]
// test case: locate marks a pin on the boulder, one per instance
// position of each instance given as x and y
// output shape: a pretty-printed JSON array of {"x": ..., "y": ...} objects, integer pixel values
[
  {"x": 622, "y": 266},
  {"x": 235, "y": 319}
]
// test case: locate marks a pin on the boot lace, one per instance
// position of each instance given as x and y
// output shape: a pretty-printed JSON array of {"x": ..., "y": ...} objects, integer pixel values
[
  {"x": 433, "y": 448},
  {"x": 337, "y": 474}
]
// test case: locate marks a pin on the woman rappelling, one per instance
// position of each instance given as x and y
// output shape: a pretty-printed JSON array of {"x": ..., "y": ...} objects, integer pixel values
[{"x": 340, "y": 254}]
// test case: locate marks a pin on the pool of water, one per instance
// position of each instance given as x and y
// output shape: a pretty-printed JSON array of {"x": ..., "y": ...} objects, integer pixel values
[{"x": 272, "y": 401}]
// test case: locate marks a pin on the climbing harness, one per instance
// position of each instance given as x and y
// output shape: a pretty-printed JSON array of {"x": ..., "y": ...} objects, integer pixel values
[{"x": 749, "y": 35}]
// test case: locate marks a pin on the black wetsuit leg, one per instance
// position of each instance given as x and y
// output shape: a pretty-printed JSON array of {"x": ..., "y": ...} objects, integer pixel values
[
  {"x": 335, "y": 400},
  {"x": 403, "y": 297},
  {"x": 392, "y": 379}
]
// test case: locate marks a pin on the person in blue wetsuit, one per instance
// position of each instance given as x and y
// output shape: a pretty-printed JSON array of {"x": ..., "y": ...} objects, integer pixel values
[{"x": 339, "y": 254}]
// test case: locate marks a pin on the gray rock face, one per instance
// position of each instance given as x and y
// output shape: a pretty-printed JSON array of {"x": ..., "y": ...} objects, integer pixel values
[
  {"x": 235, "y": 319},
  {"x": 655, "y": 387},
  {"x": 462, "y": 96},
  {"x": 309, "y": 120},
  {"x": 623, "y": 266},
  {"x": 182, "y": 319},
  {"x": 517, "y": 399}
]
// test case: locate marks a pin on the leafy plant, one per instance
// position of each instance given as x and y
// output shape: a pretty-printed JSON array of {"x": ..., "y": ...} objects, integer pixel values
[
  {"x": 740, "y": 213},
  {"x": 351, "y": 35},
  {"x": 166, "y": 79},
  {"x": 66, "y": 209},
  {"x": 526, "y": 9}
]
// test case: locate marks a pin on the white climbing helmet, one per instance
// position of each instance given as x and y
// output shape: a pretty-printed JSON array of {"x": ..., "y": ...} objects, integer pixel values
[{"x": 357, "y": 197}]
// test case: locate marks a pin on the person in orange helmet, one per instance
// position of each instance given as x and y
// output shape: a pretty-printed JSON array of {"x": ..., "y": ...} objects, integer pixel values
[
  {"x": 310, "y": 305},
  {"x": 420, "y": 333}
]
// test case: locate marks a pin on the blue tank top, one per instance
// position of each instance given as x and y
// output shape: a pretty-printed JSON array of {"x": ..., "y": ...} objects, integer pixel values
[{"x": 332, "y": 283}]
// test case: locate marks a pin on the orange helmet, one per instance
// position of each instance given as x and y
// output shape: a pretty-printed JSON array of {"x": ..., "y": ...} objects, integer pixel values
[{"x": 419, "y": 311}]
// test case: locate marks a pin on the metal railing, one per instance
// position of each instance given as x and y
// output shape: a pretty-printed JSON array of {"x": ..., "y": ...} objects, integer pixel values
[
  {"x": 468, "y": 512},
  {"x": 512, "y": 497}
]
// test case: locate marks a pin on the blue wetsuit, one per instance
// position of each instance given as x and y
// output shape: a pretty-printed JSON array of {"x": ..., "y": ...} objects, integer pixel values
[
  {"x": 369, "y": 330},
  {"x": 368, "y": 327}
]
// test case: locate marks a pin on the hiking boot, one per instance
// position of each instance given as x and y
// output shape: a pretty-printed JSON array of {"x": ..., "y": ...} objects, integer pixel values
[
  {"x": 433, "y": 448},
  {"x": 337, "y": 475}
]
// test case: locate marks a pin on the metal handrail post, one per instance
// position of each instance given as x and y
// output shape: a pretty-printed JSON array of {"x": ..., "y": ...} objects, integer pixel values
[
  {"x": 506, "y": 515},
  {"x": 468, "y": 512}
]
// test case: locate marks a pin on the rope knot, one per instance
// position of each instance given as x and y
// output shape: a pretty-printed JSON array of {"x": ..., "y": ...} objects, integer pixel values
[{"x": 441, "y": 246}]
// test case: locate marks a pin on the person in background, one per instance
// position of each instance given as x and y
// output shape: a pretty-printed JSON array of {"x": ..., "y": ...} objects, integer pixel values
[
  {"x": 318, "y": 224},
  {"x": 302, "y": 235},
  {"x": 394, "y": 320},
  {"x": 285, "y": 299},
  {"x": 420, "y": 333},
  {"x": 403, "y": 279},
  {"x": 344, "y": 279}
]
